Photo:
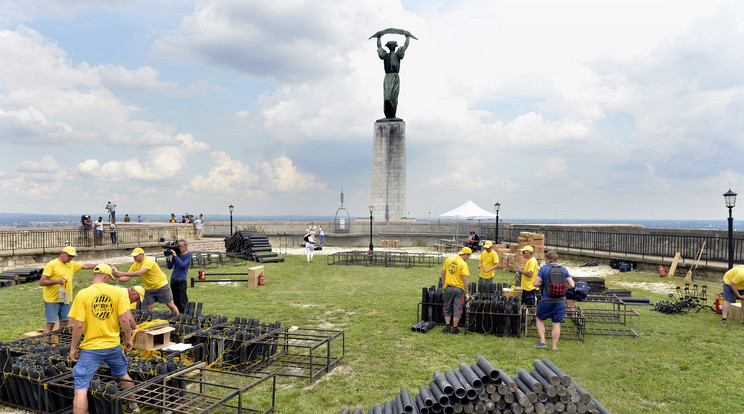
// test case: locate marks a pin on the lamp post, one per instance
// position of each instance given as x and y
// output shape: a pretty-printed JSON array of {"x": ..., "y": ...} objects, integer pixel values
[
  {"x": 371, "y": 247},
  {"x": 497, "y": 207},
  {"x": 231, "y": 207},
  {"x": 730, "y": 198}
]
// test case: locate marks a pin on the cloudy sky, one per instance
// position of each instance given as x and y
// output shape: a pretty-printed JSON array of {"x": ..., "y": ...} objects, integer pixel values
[{"x": 556, "y": 109}]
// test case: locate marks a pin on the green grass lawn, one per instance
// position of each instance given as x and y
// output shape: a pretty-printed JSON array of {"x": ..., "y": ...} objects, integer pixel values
[{"x": 681, "y": 363}]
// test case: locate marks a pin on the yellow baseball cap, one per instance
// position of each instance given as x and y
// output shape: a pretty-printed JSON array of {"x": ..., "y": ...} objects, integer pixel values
[
  {"x": 465, "y": 250},
  {"x": 528, "y": 249},
  {"x": 70, "y": 250},
  {"x": 103, "y": 268},
  {"x": 487, "y": 244},
  {"x": 138, "y": 251},
  {"x": 141, "y": 291}
]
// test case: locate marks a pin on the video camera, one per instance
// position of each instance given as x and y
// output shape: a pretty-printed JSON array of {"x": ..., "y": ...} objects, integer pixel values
[{"x": 171, "y": 246}]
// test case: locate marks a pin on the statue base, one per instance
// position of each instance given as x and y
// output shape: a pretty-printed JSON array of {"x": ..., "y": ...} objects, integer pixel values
[{"x": 388, "y": 189}]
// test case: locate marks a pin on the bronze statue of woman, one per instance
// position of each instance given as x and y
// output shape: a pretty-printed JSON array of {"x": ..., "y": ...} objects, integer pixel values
[{"x": 391, "y": 59}]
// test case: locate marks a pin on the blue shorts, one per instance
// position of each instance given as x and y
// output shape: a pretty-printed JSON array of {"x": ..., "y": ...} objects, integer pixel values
[
  {"x": 162, "y": 295},
  {"x": 729, "y": 295},
  {"x": 56, "y": 310},
  {"x": 99, "y": 233},
  {"x": 553, "y": 310},
  {"x": 90, "y": 360}
]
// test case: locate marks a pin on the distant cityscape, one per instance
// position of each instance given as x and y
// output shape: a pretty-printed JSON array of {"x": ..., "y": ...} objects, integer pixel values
[{"x": 21, "y": 220}]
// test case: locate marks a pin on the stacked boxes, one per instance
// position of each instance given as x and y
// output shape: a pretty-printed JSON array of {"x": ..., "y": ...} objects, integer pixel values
[
  {"x": 509, "y": 254},
  {"x": 390, "y": 243}
]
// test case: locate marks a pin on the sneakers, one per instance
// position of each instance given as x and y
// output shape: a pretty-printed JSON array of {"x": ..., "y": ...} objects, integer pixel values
[
  {"x": 540, "y": 345},
  {"x": 446, "y": 329},
  {"x": 723, "y": 322},
  {"x": 554, "y": 349},
  {"x": 455, "y": 330}
]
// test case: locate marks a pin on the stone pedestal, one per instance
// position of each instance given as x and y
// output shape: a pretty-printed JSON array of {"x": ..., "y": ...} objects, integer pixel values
[{"x": 388, "y": 190}]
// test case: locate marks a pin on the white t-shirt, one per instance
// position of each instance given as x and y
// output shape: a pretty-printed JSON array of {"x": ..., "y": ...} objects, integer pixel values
[
  {"x": 99, "y": 225},
  {"x": 198, "y": 224}
]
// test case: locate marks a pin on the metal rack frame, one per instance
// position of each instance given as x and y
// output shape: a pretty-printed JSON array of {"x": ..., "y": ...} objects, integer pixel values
[{"x": 384, "y": 258}]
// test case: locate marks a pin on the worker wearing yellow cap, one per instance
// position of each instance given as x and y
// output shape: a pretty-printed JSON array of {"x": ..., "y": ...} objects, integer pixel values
[
  {"x": 156, "y": 283},
  {"x": 488, "y": 262},
  {"x": 100, "y": 311},
  {"x": 136, "y": 295},
  {"x": 528, "y": 272},
  {"x": 455, "y": 289},
  {"x": 56, "y": 281}
]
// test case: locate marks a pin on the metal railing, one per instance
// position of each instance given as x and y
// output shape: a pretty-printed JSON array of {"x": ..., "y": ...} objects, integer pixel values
[
  {"x": 655, "y": 244},
  {"x": 55, "y": 240}
]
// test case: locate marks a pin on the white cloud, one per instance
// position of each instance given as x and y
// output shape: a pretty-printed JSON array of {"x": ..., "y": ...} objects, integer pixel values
[
  {"x": 163, "y": 162},
  {"x": 144, "y": 79},
  {"x": 231, "y": 177},
  {"x": 47, "y": 164}
]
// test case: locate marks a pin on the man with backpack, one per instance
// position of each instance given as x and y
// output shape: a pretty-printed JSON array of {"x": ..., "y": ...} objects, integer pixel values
[{"x": 553, "y": 278}]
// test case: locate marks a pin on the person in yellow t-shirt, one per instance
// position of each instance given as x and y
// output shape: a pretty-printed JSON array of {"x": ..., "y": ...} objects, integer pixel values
[
  {"x": 156, "y": 283},
  {"x": 528, "y": 273},
  {"x": 455, "y": 274},
  {"x": 57, "y": 276},
  {"x": 488, "y": 262},
  {"x": 99, "y": 311},
  {"x": 733, "y": 288},
  {"x": 136, "y": 295}
]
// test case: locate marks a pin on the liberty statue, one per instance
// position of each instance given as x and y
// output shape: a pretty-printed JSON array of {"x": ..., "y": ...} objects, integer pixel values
[{"x": 391, "y": 60}]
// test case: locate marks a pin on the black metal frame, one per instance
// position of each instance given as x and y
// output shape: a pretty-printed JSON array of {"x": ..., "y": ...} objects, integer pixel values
[{"x": 385, "y": 259}]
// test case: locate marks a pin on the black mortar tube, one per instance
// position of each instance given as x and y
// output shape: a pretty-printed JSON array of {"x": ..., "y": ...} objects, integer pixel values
[
  {"x": 473, "y": 379},
  {"x": 565, "y": 379},
  {"x": 444, "y": 385}
]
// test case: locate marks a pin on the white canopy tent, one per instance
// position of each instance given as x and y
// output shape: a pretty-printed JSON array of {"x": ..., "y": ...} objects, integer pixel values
[{"x": 467, "y": 211}]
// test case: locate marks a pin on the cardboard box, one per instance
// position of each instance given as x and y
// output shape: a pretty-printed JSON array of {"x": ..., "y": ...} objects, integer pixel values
[
  {"x": 253, "y": 274},
  {"x": 513, "y": 292},
  {"x": 153, "y": 339},
  {"x": 40, "y": 331},
  {"x": 33, "y": 333},
  {"x": 735, "y": 312}
]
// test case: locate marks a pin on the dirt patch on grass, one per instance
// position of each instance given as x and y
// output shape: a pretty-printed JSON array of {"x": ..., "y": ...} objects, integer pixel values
[{"x": 662, "y": 288}]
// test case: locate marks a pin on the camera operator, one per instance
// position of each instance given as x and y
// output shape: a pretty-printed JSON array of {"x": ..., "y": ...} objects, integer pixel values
[{"x": 179, "y": 262}]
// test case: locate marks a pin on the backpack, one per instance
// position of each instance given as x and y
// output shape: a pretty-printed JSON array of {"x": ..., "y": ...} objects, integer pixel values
[{"x": 556, "y": 283}]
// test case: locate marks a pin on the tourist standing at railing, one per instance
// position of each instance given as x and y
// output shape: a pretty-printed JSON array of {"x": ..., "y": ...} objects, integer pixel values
[
  {"x": 321, "y": 235},
  {"x": 112, "y": 231},
  {"x": 126, "y": 218},
  {"x": 99, "y": 231},
  {"x": 87, "y": 229},
  {"x": 56, "y": 283},
  {"x": 198, "y": 228}
]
